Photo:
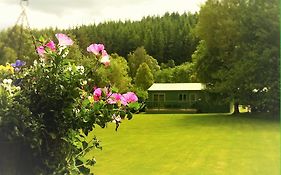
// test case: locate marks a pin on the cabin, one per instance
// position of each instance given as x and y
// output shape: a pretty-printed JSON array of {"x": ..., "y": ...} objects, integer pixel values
[{"x": 182, "y": 97}]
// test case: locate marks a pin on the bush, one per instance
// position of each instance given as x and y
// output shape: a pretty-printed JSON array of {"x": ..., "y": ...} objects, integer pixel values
[{"x": 52, "y": 105}]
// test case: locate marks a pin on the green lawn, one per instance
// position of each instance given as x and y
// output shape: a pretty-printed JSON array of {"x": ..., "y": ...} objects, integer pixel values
[{"x": 183, "y": 144}]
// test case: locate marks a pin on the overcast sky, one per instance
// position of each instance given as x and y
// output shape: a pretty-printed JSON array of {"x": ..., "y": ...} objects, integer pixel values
[{"x": 69, "y": 13}]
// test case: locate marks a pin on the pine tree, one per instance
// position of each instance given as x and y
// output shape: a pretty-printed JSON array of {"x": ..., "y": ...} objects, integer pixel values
[{"x": 144, "y": 78}]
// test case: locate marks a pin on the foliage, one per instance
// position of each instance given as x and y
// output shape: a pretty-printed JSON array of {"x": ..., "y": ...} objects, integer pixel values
[
  {"x": 116, "y": 74},
  {"x": 170, "y": 63},
  {"x": 170, "y": 36},
  {"x": 51, "y": 106},
  {"x": 138, "y": 57},
  {"x": 7, "y": 54},
  {"x": 236, "y": 54},
  {"x": 183, "y": 73},
  {"x": 144, "y": 78},
  {"x": 16, "y": 43},
  {"x": 239, "y": 51}
]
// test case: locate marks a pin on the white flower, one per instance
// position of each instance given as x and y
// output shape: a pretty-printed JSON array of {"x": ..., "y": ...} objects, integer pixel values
[
  {"x": 69, "y": 68},
  {"x": 265, "y": 89},
  {"x": 61, "y": 48},
  {"x": 35, "y": 62},
  {"x": 7, "y": 81},
  {"x": 65, "y": 53},
  {"x": 81, "y": 69},
  {"x": 84, "y": 82}
]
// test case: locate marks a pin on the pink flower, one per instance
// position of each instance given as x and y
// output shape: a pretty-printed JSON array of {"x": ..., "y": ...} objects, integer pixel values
[
  {"x": 114, "y": 98},
  {"x": 105, "y": 58},
  {"x": 117, "y": 96},
  {"x": 51, "y": 45},
  {"x": 129, "y": 97},
  {"x": 40, "y": 50},
  {"x": 95, "y": 48},
  {"x": 63, "y": 39},
  {"x": 123, "y": 101},
  {"x": 97, "y": 94}
]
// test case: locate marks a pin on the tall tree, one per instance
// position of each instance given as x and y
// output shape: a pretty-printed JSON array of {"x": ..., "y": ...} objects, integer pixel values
[
  {"x": 140, "y": 56},
  {"x": 144, "y": 78},
  {"x": 239, "y": 54}
]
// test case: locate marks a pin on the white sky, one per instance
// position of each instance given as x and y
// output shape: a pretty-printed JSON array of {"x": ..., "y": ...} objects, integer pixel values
[{"x": 69, "y": 13}]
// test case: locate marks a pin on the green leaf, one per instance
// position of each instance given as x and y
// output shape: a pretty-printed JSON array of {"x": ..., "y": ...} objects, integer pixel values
[
  {"x": 83, "y": 160},
  {"x": 85, "y": 144},
  {"x": 122, "y": 114},
  {"x": 97, "y": 106},
  {"x": 78, "y": 162},
  {"x": 114, "y": 90},
  {"x": 129, "y": 115},
  {"x": 84, "y": 170},
  {"x": 41, "y": 39},
  {"x": 86, "y": 102},
  {"x": 134, "y": 105},
  {"x": 92, "y": 162}
]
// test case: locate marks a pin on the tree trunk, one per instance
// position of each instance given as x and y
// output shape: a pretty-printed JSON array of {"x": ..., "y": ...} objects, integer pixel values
[{"x": 236, "y": 108}]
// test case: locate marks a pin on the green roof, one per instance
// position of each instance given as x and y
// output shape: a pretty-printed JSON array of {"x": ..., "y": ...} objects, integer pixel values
[{"x": 176, "y": 87}]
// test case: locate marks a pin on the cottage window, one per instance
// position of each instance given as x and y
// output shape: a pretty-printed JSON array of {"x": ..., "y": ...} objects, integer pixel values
[
  {"x": 182, "y": 97},
  {"x": 159, "y": 97}
]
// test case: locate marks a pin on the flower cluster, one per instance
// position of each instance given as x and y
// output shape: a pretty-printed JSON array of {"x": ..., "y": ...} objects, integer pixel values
[
  {"x": 63, "y": 39},
  {"x": 115, "y": 98},
  {"x": 6, "y": 71},
  {"x": 124, "y": 99},
  {"x": 99, "y": 51},
  {"x": 7, "y": 84},
  {"x": 17, "y": 65}
]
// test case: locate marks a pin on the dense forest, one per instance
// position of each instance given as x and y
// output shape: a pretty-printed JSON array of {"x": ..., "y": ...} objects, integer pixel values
[
  {"x": 231, "y": 45},
  {"x": 162, "y": 37}
]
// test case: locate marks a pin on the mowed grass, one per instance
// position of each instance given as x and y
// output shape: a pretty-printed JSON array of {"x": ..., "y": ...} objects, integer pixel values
[{"x": 189, "y": 144}]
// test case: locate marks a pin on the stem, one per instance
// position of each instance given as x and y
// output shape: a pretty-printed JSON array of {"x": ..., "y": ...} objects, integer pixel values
[{"x": 84, "y": 149}]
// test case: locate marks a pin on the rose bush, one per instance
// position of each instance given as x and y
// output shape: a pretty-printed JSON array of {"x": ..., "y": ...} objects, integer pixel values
[{"x": 50, "y": 107}]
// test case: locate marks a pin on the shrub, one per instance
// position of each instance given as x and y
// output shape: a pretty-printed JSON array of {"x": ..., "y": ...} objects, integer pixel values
[{"x": 52, "y": 105}]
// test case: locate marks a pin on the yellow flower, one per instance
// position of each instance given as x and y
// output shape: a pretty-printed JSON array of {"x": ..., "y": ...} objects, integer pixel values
[
  {"x": 10, "y": 68},
  {"x": 2, "y": 68},
  {"x": 6, "y": 70}
]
